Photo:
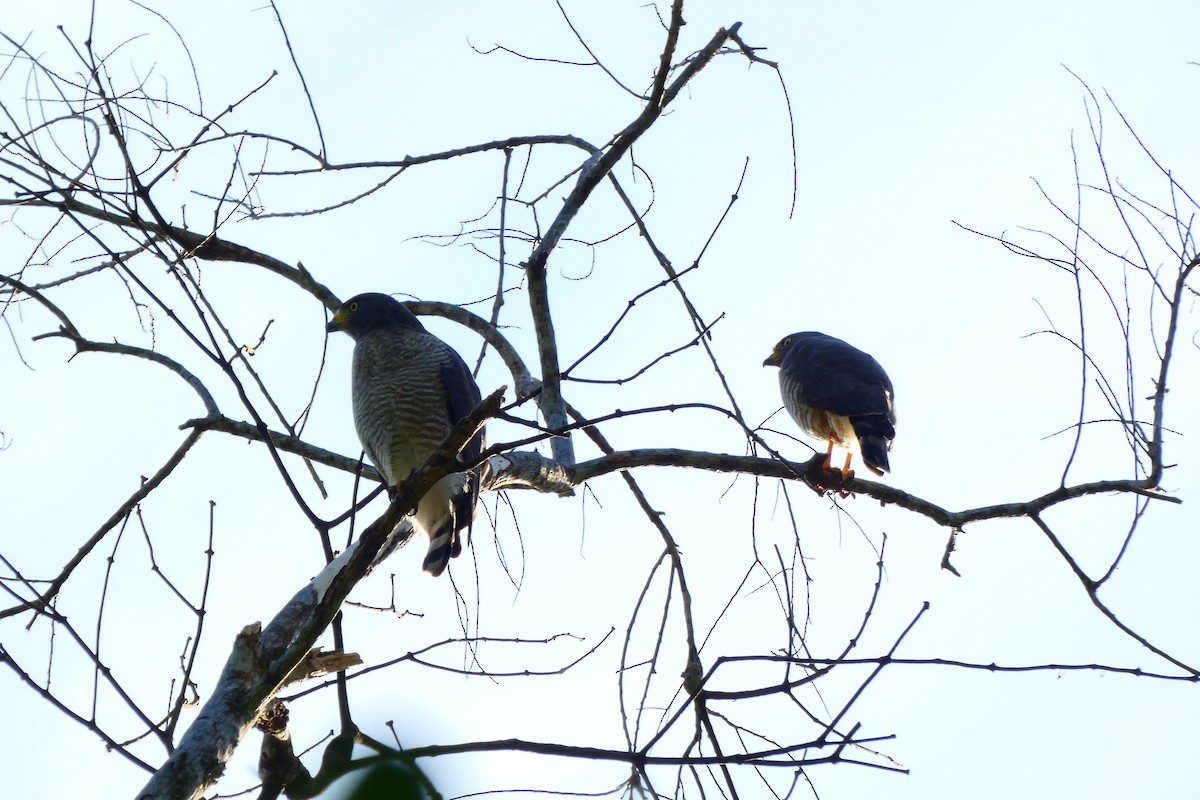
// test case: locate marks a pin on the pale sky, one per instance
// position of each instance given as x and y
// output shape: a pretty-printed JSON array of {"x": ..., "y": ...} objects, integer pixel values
[{"x": 905, "y": 121}]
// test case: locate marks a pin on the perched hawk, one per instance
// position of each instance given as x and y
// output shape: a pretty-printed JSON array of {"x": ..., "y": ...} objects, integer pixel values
[
  {"x": 839, "y": 394},
  {"x": 410, "y": 389}
]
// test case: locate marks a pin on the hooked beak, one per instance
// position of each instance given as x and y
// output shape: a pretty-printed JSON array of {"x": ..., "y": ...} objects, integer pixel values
[
  {"x": 338, "y": 323},
  {"x": 774, "y": 360}
]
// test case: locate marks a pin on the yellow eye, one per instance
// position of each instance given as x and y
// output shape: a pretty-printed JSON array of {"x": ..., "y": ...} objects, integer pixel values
[
  {"x": 787, "y": 342},
  {"x": 353, "y": 307}
]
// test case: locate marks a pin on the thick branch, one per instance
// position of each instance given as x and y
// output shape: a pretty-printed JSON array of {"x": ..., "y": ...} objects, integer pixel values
[
  {"x": 590, "y": 176},
  {"x": 1160, "y": 388},
  {"x": 264, "y": 659},
  {"x": 527, "y": 469},
  {"x": 535, "y": 471}
]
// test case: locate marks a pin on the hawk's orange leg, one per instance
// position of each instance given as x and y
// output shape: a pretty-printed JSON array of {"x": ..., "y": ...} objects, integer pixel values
[{"x": 848, "y": 473}]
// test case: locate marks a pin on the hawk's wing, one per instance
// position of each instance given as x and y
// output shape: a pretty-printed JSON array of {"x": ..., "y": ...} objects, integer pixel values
[{"x": 836, "y": 377}]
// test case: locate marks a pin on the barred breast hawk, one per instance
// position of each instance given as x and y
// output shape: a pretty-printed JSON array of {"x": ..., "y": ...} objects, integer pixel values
[
  {"x": 838, "y": 394},
  {"x": 409, "y": 389}
]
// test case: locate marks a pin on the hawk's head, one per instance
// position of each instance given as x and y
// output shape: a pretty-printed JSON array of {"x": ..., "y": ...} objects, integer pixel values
[{"x": 369, "y": 312}]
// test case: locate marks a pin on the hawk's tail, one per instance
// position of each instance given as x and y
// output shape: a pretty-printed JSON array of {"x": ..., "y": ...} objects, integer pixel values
[
  {"x": 446, "y": 542},
  {"x": 443, "y": 545},
  {"x": 875, "y": 433},
  {"x": 874, "y": 453}
]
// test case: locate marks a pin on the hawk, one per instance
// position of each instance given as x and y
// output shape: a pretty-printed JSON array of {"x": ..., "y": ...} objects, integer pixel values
[
  {"x": 839, "y": 394},
  {"x": 409, "y": 389}
]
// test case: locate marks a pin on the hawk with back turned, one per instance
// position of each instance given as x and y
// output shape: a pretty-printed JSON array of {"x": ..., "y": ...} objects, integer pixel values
[
  {"x": 409, "y": 390},
  {"x": 839, "y": 394}
]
